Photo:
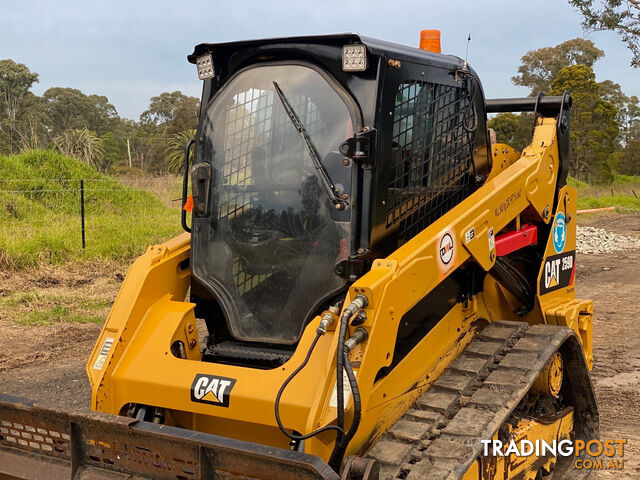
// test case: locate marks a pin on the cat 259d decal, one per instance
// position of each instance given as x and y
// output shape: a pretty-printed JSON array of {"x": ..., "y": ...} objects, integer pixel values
[{"x": 558, "y": 272}]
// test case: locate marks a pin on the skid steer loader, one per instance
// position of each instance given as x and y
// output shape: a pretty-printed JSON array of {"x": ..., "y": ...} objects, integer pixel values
[{"x": 367, "y": 287}]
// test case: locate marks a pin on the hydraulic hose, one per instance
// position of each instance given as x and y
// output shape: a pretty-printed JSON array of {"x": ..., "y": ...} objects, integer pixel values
[
  {"x": 293, "y": 436},
  {"x": 359, "y": 302},
  {"x": 326, "y": 320},
  {"x": 341, "y": 445}
]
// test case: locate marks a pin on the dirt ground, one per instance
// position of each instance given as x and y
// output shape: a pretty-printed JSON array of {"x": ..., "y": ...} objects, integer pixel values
[
  {"x": 46, "y": 362},
  {"x": 613, "y": 281}
]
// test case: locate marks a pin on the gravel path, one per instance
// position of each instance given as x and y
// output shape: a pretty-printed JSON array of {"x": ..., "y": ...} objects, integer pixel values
[{"x": 596, "y": 241}]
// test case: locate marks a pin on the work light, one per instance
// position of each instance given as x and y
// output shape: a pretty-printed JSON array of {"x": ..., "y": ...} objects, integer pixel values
[
  {"x": 354, "y": 58},
  {"x": 205, "y": 66}
]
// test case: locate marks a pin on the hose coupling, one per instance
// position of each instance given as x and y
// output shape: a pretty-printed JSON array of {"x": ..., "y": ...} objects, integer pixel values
[
  {"x": 328, "y": 317},
  {"x": 361, "y": 301},
  {"x": 356, "y": 304},
  {"x": 359, "y": 336},
  {"x": 359, "y": 318},
  {"x": 325, "y": 322}
]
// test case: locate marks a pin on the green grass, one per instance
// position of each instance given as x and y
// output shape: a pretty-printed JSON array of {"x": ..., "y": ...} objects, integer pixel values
[
  {"x": 57, "y": 314},
  {"x": 620, "y": 194},
  {"x": 627, "y": 179},
  {"x": 623, "y": 203},
  {"x": 18, "y": 300},
  {"x": 40, "y": 213},
  {"x": 44, "y": 308},
  {"x": 577, "y": 184}
]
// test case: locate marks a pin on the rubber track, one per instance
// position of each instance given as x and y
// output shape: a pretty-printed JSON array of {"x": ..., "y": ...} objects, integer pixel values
[{"x": 439, "y": 436}]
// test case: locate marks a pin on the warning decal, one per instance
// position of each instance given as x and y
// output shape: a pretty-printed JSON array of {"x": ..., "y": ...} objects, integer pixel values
[
  {"x": 346, "y": 389},
  {"x": 104, "y": 351}
]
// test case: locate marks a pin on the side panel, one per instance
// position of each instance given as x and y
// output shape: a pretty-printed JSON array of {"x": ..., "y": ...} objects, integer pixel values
[
  {"x": 421, "y": 171},
  {"x": 556, "y": 280},
  {"x": 162, "y": 272}
]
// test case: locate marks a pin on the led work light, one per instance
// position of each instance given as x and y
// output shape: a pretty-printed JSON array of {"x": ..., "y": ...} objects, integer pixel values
[
  {"x": 204, "y": 64},
  {"x": 354, "y": 58}
]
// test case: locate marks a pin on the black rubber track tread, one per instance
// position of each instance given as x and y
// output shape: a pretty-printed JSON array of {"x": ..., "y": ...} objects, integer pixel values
[{"x": 439, "y": 436}]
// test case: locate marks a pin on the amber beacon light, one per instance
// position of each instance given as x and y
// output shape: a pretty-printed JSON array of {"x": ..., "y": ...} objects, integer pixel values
[{"x": 430, "y": 40}]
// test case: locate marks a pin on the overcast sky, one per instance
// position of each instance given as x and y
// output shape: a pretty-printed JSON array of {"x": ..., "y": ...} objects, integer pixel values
[{"x": 132, "y": 50}]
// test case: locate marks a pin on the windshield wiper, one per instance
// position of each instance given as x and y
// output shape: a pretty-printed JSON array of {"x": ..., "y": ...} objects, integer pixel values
[{"x": 313, "y": 153}]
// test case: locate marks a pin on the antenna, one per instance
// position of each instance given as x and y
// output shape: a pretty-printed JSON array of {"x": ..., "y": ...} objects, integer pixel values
[{"x": 466, "y": 54}]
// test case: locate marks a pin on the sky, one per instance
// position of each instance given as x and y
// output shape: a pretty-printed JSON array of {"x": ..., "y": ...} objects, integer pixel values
[{"x": 131, "y": 50}]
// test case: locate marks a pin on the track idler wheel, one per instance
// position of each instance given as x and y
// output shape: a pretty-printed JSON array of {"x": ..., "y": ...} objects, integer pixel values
[
  {"x": 549, "y": 382},
  {"x": 358, "y": 468}
]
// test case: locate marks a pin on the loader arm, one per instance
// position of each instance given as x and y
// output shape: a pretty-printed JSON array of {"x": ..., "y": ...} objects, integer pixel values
[{"x": 396, "y": 284}]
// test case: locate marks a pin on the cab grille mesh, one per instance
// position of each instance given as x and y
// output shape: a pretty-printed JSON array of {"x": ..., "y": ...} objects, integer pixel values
[
  {"x": 256, "y": 131},
  {"x": 431, "y": 170}
]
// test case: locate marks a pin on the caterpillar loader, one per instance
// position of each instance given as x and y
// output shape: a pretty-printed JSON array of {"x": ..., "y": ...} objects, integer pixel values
[{"x": 368, "y": 286}]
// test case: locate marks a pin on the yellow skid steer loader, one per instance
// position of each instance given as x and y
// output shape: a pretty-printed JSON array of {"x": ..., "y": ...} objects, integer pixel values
[{"x": 367, "y": 286}]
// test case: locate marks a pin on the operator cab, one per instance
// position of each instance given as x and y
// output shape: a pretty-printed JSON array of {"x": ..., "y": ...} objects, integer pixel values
[{"x": 295, "y": 188}]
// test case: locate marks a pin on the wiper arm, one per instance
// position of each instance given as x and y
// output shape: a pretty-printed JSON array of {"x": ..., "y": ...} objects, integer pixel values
[{"x": 313, "y": 153}]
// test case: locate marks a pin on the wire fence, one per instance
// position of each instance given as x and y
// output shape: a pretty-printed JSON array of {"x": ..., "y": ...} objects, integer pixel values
[
  {"x": 632, "y": 189},
  {"x": 67, "y": 217}
]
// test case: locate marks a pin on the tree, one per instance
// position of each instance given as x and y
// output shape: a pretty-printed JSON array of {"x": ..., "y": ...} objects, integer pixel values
[
  {"x": 540, "y": 67},
  {"x": 630, "y": 124},
  {"x": 172, "y": 112},
  {"x": 115, "y": 149},
  {"x": 70, "y": 109},
  {"x": 514, "y": 130},
  {"x": 628, "y": 108},
  {"x": 175, "y": 149},
  {"x": 15, "y": 81},
  {"x": 147, "y": 151},
  {"x": 621, "y": 16},
  {"x": 82, "y": 145},
  {"x": 594, "y": 128},
  {"x": 630, "y": 162},
  {"x": 101, "y": 115},
  {"x": 31, "y": 131}
]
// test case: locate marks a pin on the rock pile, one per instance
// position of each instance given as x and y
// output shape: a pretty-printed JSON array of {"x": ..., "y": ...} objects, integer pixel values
[{"x": 596, "y": 241}]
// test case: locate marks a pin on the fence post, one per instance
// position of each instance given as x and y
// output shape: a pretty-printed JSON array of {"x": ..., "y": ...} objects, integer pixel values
[{"x": 82, "y": 211}]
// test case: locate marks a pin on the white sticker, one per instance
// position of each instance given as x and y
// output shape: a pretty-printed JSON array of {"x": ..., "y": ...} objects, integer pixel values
[
  {"x": 104, "y": 351},
  {"x": 492, "y": 240},
  {"x": 446, "y": 252},
  {"x": 346, "y": 388},
  {"x": 470, "y": 235}
]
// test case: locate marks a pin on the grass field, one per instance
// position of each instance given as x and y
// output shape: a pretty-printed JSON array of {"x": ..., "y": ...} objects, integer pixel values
[
  {"x": 40, "y": 218},
  {"x": 622, "y": 194}
]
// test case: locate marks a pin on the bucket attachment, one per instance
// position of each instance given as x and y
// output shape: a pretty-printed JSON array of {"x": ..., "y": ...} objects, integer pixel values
[{"x": 38, "y": 443}]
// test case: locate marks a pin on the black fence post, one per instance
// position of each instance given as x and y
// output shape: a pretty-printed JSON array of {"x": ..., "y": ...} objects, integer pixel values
[{"x": 82, "y": 211}]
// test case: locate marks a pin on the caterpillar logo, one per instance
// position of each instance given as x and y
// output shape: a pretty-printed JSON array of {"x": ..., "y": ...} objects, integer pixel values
[
  {"x": 212, "y": 389},
  {"x": 558, "y": 272}
]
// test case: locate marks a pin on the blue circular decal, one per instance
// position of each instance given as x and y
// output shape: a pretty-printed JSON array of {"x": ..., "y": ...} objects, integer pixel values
[{"x": 559, "y": 232}]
